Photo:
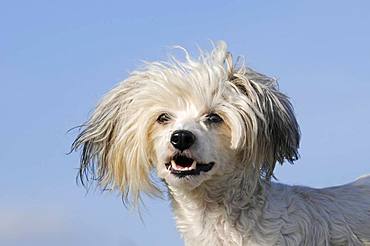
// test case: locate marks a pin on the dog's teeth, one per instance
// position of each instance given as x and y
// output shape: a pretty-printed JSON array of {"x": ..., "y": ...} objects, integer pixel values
[
  {"x": 177, "y": 167},
  {"x": 193, "y": 165}
]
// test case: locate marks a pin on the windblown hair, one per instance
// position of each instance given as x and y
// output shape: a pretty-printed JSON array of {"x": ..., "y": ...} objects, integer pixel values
[{"x": 117, "y": 150}]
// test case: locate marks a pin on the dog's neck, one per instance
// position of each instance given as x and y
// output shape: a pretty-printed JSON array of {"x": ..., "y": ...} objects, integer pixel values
[{"x": 217, "y": 205}]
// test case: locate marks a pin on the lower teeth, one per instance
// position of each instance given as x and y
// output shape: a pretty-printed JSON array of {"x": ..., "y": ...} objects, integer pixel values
[{"x": 177, "y": 167}]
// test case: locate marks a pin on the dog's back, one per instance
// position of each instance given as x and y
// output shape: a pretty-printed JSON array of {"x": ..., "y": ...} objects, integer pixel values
[
  {"x": 363, "y": 180},
  {"x": 337, "y": 215},
  {"x": 356, "y": 207}
]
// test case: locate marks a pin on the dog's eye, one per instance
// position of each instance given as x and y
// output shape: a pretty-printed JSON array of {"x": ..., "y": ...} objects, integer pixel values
[
  {"x": 214, "y": 118},
  {"x": 163, "y": 118}
]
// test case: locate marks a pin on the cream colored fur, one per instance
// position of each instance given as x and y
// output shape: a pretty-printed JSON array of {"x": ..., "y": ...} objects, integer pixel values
[{"x": 234, "y": 203}]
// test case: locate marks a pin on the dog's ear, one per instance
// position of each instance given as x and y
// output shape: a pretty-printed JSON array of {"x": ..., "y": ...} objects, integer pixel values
[
  {"x": 114, "y": 145},
  {"x": 265, "y": 127},
  {"x": 271, "y": 118},
  {"x": 280, "y": 134}
]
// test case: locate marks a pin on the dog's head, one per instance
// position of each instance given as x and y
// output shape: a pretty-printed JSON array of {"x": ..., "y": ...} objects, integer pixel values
[{"x": 193, "y": 121}]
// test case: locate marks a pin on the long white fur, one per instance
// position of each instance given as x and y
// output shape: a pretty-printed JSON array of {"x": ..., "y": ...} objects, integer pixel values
[{"x": 235, "y": 203}]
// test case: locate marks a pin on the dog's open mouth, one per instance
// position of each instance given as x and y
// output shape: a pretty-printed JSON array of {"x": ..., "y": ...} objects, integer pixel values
[{"x": 182, "y": 166}]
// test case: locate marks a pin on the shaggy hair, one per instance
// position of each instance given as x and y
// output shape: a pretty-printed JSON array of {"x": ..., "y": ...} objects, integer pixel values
[{"x": 240, "y": 125}]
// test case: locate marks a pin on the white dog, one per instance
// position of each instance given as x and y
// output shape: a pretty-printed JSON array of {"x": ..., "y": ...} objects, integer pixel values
[{"x": 214, "y": 130}]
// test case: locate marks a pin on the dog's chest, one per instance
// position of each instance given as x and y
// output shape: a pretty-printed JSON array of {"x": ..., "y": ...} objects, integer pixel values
[{"x": 206, "y": 226}]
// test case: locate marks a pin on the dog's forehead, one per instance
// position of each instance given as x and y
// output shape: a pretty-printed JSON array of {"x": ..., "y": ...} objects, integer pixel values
[
  {"x": 190, "y": 115},
  {"x": 191, "y": 106},
  {"x": 191, "y": 99}
]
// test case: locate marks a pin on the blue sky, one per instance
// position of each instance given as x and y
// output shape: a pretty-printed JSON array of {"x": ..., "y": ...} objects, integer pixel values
[{"x": 57, "y": 58}]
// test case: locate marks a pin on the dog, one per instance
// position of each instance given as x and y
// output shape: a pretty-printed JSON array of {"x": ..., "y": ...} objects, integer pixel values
[{"x": 214, "y": 129}]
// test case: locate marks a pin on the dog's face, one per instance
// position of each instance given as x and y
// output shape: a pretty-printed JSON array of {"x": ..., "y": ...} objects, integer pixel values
[
  {"x": 192, "y": 122},
  {"x": 191, "y": 143}
]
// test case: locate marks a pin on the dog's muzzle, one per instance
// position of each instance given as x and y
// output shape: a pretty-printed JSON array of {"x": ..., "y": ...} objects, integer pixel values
[{"x": 182, "y": 166}]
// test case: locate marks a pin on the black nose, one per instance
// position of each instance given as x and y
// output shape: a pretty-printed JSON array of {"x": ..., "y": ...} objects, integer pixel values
[{"x": 182, "y": 139}]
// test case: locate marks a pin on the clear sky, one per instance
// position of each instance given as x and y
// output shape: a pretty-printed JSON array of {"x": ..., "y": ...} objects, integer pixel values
[{"x": 57, "y": 58}]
